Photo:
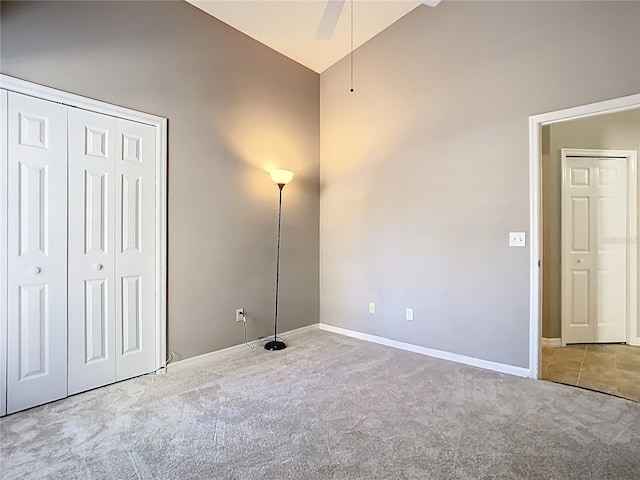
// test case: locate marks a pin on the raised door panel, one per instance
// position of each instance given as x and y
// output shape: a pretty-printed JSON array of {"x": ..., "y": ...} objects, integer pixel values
[
  {"x": 92, "y": 166},
  {"x": 3, "y": 252},
  {"x": 580, "y": 286},
  {"x": 37, "y": 252},
  {"x": 135, "y": 249}
]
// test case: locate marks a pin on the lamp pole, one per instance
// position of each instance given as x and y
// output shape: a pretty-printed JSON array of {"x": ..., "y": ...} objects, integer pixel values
[{"x": 276, "y": 344}]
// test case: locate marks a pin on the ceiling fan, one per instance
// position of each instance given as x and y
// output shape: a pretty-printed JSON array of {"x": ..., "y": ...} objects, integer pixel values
[{"x": 332, "y": 13}]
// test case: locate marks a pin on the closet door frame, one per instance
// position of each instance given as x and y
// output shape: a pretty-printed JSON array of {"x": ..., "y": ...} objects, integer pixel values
[
  {"x": 12, "y": 84},
  {"x": 4, "y": 236}
]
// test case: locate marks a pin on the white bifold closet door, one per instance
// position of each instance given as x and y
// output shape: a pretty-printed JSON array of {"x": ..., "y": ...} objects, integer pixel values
[
  {"x": 111, "y": 249},
  {"x": 37, "y": 252},
  {"x": 77, "y": 250}
]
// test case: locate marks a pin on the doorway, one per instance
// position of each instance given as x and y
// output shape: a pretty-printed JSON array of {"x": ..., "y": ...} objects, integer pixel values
[{"x": 547, "y": 328}]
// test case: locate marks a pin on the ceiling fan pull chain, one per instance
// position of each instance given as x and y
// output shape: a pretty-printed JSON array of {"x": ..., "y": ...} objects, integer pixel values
[{"x": 351, "y": 46}]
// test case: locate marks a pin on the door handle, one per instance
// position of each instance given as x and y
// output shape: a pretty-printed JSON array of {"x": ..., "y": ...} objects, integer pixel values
[
  {"x": 36, "y": 270},
  {"x": 99, "y": 266},
  {"x": 579, "y": 260}
]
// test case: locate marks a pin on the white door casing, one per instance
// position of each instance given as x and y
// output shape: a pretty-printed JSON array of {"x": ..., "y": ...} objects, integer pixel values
[
  {"x": 598, "y": 213},
  {"x": 135, "y": 249},
  {"x": 3, "y": 252},
  {"x": 37, "y": 252},
  {"x": 92, "y": 319},
  {"x": 536, "y": 122}
]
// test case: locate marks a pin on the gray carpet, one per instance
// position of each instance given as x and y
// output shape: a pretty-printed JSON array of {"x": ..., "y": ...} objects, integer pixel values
[{"x": 328, "y": 407}]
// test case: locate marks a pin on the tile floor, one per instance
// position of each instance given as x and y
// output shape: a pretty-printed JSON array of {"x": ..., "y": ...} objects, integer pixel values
[{"x": 609, "y": 368}]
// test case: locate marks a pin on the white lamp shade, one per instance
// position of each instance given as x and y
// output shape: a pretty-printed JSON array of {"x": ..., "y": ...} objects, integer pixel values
[{"x": 281, "y": 177}]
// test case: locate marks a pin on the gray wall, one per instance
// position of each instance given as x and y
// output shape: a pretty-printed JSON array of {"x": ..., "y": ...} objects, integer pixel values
[
  {"x": 425, "y": 170},
  {"x": 616, "y": 131},
  {"x": 424, "y": 167},
  {"x": 235, "y": 108}
]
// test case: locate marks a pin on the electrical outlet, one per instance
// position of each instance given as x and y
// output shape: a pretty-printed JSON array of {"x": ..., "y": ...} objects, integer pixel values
[
  {"x": 517, "y": 239},
  {"x": 409, "y": 314},
  {"x": 372, "y": 307},
  {"x": 240, "y": 315}
]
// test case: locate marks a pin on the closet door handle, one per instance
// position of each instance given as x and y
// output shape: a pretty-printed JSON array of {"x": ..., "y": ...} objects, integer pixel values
[
  {"x": 36, "y": 270},
  {"x": 99, "y": 266}
]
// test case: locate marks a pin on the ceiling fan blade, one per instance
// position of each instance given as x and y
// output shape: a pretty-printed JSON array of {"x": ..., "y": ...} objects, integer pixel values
[
  {"x": 329, "y": 19},
  {"x": 431, "y": 3}
]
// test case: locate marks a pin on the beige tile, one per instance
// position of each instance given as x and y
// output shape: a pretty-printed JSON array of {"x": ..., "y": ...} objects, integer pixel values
[
  {"x": 627, "y": 350},
  {"x": 626, "y": 376},
  {"x": 634, "y": 396},
  {"x": 631, "y": 364},
  {"x": 565, "y": 364},
  {"x": 595, "y": 383},
  {"x": 604, "y": 372},
  {"x": 569, "y": 352},
  {"x": 564, "y": 357},
  {"x": 570, "y": 349},
  {"x": 608, "y": 368},
  {"x": 603, "y": 347},
  {"x": 600, "y": 358},
  {"x": 629, "y": 390},
  {"x": 628, "y": 383},
  {"x": 569, "y": 378}
]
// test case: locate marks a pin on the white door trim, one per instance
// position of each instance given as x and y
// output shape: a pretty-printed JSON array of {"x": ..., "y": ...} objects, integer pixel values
[
  {"x": 4, "y": 236},
  {"x": 27, "y": 88},
  {"x": 631, "y": 159},
  {"x": 536, "y": 122}
]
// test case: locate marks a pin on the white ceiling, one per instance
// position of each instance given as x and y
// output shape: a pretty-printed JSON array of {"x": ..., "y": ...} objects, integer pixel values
[{"x": 289, "y": 26}]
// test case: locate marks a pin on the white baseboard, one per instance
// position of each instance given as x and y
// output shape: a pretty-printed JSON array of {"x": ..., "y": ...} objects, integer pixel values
[
  {"x": 551, "y": 342},
  {"x": 208, "y": 357},
  {"x": 453, "y": 357}
]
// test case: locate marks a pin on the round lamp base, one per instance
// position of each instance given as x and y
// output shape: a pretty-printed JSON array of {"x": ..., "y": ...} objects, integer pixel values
[{"x": 275, "y": 345}]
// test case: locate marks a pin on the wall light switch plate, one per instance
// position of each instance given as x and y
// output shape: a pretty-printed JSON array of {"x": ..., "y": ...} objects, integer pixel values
[
  {"x": 517, "y": 239},
  {"x": 409, "y": 313},
  {"x": 372, "y": 307}
]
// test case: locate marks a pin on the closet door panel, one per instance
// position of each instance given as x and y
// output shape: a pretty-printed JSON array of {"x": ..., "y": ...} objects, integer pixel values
[
  {"x": 37, "y": 252},
  {"x": 3, "y": 252},
  {"x": 92, "y": 154},
  {"x": 135, "y": 249}
]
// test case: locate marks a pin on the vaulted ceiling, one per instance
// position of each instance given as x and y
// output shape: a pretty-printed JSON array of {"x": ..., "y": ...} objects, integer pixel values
[{"x": 291, "y": 26}]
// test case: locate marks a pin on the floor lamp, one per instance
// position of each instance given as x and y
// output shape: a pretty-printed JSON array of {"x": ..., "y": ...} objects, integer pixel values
[{"x": 281, "y": 178}]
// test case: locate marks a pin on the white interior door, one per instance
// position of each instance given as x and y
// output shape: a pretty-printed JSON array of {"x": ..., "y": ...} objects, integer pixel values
[
  {"x": 37, "y": 252},
  {"x": 594, "y": 250},
  {"x": 3, "y": 252},
  {"x": 92, "y": 319},
  {"x": 135, "y": 249}
]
